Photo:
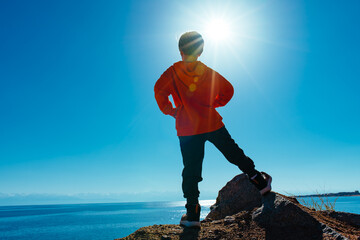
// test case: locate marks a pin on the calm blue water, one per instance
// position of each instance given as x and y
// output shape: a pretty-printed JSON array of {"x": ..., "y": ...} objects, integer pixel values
[
  {"x": 87, "y": 221},
  {"x": 103, "y": 221}
]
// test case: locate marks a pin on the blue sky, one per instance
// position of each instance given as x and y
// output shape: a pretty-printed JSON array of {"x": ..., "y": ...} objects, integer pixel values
[{"x": 78, "y": 115}]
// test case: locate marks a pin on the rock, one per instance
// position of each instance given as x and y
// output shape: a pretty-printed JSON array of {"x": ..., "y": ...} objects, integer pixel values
[
  {"x": 216, "y": 222},
  {"x": 280, "y": 217},
  {"x": 165, "y": 237},
  {"x": 328, "y": 231},
  {"x": 278, "y": 211},
  {"x": 350, "y": 218},
  {"x": 229, "y": 220},
  {"x": 237, "y": 195}
]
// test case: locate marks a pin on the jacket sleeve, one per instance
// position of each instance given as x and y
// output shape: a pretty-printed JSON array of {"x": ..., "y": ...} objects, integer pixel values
[
  {"x": 162, "y": 90},
  {"x": 226, "y": 91}
]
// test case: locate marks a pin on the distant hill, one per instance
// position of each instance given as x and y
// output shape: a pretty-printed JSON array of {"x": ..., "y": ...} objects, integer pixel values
[{"x": 339, "y": 194}]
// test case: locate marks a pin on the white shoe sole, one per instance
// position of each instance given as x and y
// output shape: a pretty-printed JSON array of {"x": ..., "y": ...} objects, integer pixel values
[
  {"x": 268, "y": 179},
  {"x": 190, "y": 223}
]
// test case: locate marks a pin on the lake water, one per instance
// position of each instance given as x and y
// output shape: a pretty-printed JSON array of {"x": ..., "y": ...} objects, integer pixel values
[
  {"x": 342, "y": 204},
  {"x": 103, "y": 221}
]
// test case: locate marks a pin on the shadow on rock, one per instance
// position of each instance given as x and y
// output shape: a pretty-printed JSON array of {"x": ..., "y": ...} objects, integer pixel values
[{"x": 190, "y": 234}]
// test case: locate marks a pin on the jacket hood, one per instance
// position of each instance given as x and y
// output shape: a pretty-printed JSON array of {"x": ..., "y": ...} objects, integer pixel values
[{"x": 190, "y": 72}]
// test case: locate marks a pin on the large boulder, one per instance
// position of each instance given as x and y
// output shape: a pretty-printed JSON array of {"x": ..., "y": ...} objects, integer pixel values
[
  {"x": 237, "y": 195},
  {"x": 278, "y": 211},
  {"x": 281, "y": 218}
]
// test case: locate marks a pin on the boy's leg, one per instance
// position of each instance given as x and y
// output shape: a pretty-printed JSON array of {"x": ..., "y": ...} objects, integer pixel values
[
  {"x": 232, "y": 152},
  {"x": 192, "y": 150}
]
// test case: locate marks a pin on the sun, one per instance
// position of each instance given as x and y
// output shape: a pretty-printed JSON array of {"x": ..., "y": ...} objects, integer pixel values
[{"x": 218, "y": 30}]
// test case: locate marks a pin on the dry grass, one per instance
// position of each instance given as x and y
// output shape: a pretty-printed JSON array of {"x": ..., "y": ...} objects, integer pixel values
[{"x": 318, "y": 203}]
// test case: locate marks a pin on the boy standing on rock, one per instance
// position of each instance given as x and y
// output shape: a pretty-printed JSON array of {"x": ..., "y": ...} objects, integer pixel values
[{"x": 197, "y": 90}]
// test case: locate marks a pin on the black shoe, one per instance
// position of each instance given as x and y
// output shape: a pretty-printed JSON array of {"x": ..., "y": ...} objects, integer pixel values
[
  {"x": 192, "y": 216},
  {"x": 262, "y": 181}
]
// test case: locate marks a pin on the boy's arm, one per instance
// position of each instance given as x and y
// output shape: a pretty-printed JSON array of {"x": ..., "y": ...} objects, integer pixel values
[
  {"x": 226, "y": 91},
  {"x": 162, "y": 91}
]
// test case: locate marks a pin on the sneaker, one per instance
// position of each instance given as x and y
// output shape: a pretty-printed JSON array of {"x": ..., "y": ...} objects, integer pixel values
[
  {"x": 192, "y": 216},
  {"x": 262, "y": 181}
]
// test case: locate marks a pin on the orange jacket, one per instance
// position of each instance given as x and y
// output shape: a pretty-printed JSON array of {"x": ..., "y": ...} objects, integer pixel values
[{"x": 196, "y": 90}]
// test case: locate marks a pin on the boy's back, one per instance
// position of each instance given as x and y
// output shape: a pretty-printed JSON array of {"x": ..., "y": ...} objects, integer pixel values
[{"x": 197, "y": 90}]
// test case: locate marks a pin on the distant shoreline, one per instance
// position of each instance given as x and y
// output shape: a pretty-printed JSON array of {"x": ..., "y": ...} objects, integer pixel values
[{"x": 339, "y": 194}]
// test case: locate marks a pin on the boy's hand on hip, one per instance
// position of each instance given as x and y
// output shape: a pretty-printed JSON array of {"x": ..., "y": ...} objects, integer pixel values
[{"x": 175, "y": 111}]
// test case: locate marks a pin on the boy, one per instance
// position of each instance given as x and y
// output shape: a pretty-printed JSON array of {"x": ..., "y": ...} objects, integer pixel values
[{"x": 197, "y": 90}]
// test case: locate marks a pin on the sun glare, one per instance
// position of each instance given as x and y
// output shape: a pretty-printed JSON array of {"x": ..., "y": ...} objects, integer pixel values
[{"x": 218, "y": 30}]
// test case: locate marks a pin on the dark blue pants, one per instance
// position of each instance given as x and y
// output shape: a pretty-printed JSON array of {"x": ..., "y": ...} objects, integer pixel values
[{"x": 192, "y": 150}]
